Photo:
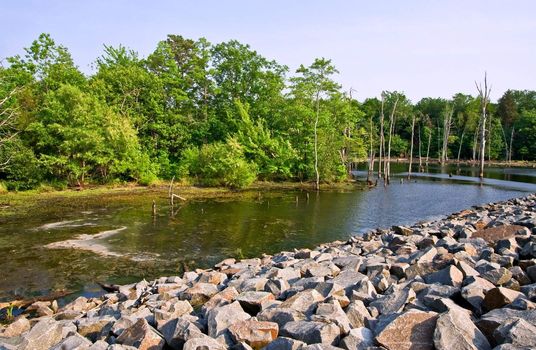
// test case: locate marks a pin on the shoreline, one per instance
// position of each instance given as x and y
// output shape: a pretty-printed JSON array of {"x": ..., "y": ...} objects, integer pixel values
[{"x": 468, "y": 278}]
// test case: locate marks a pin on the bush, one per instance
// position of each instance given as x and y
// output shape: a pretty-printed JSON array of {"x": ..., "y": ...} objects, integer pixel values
[{"x": 218, "y": 164}]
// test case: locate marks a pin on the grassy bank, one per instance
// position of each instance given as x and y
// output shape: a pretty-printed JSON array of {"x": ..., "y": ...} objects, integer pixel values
[{"x": 14, "y": 205}]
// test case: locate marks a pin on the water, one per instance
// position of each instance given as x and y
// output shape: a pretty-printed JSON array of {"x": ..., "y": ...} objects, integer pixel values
[{"x": 201, "y": 233}]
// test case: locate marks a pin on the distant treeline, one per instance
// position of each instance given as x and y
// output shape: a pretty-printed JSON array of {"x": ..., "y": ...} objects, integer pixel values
[{"x": 219, "y": 114}]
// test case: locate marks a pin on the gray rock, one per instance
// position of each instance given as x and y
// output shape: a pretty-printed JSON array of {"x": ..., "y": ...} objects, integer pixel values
[
  {"x": 517, "y": 332},
  {"x": 394, "y": 302},
  {"x": 357, "y": 314},
  {"x": 284, "y": 343},
  {"x": 203, "y": 343},
  {"x": 358, "y": 339},
  {"x": 450, "y": 276},
  {"x": 221, "y": 318},
  {"x": 410, "y": 330},
  {"x": 312, "y": 332},
  {"x": 280, "y": 315},
  {"x": 177, "y": 331},
  {"x": 455, "y": 330},
  {"x": 304, "y": 301},
  {"x": 95, "y": 328},
  {"x": 16, "y": 328},
  {"x": 72, "y": 342},
  {"x": 43, "y": 335},
  {"x": 251, "y": 301},
  {"x": 332, "y": 313},
  {"x": 500, "y": 296}
]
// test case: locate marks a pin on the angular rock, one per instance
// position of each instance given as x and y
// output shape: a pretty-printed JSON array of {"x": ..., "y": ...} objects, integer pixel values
[
  {"x": 142, "y": 336},
  {"x": 74, "y": 341},
  {"x": 200, "y": 293},
  {"x": 500, "y": 296},
  {"x": 409, "y": 330},
  {"x": 312, "y": 332},
  {"x": 251, "y": 301},
  {"x": 455, "y": 330},
  {"x": 221, "y": 318},
  {"x": 256, "y": 334},
  {"x": 177, "y": 331},
  {"x": 95, "y": 328},
  {"x": 284, "y": 343},
  {"x": 280, "y": 315},
  {"x": 203, "y": 343},
  {"x": 358, "y": 339},
  {"x": 357, "y": 313},
  {"x": 42, "y": 336},
  {"x": 304, "y": 302},
  {"x": 394, "y": 302},
  {"x": 450, "y": 276},
  {"x": 16, "y": 328},
  {"x": 517, "y": 332}
]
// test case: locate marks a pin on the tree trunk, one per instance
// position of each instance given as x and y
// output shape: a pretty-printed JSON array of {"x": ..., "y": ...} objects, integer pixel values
[
  {"x": 460, "y": 147},
  {"x": 317, "y": 182},
  {"x": 428, "y": 148},
  {"x": 411, "y": 147},
  {"x": 484, "y": 93},
  {"x": 387, "y": 168},
  {"x": 371, "y": 154},
  {"x": 382, "y": 142},
  {"x": 420, "y": 154},
  {"x": 511, "y": 150}
]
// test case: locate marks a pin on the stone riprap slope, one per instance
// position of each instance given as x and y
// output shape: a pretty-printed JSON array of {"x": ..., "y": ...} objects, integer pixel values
[{"x": 464, "y": 282}]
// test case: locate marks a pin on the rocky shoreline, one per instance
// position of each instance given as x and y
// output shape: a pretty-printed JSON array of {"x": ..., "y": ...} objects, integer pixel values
[{"x": 464, "y": 282}]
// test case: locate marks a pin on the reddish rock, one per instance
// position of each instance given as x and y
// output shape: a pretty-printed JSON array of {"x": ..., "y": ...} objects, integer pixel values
[
  {"x": 412, "y": 330},
  {"x": 256, "y": 334},
  {"x": 494, "y": 234},
  {"x": 141, "y": 336}
]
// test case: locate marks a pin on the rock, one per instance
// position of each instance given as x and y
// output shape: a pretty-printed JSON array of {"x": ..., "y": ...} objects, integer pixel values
[
  {"x": 467, "y": 270},
  {"x": 251, "y": 301},
  {"x": 142, "y": 336},
  {"x": 16, "y": 328},
  {"x": 312, "y": 332},
  {"x": 409, "y": 330},
  {"x": 394, "y": 302},
  {"x": 200, "y": 293},
  {"x": 276, "y": 286},
  {"x": 474, "y": 292},
  {"x": 332, "y": 313},
  {"x": 402, "y": 230},
  {"x": 179, "y": 330},
  {"x": 494, "y": 234},
  {"x": 358, "y": 339},
  {"x": 357, "y": 314},
  {"x": 531, "y": 273},
  {"x": 450, "y": 276},
  {"x": 499, "y": 297},
  {"x": 221, "y": 318},
  {"x": 497, "y": 276},
  {"x": 95, "y": 328},
  {"x": 280, "y": 315},
  {"x": 517, "y": 332},
  {"x": 203, "y": 343},
  {"x": 455, "y": 330},
  {"x": 304, "y": 301},
  {"x": 74, "y": 341},
  {"x": 43, "y": 335},
  {"x": 284, "y": 343},
  {"x": 493, "y": 319},
  {"x": 256, "y": 334}
]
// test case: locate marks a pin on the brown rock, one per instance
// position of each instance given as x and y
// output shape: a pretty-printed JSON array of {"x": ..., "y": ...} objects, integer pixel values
[
  {"x": 494, "y": 234},
  {"x": 141, "y": 336},
  {"x": 303, "y": 301},
  {"x": 251, "y": 301},
  {"x": 256, "y": 334},
  {"x": 15, "y": 328},
  {"x": 499, "y": 297},
  {"x": 411, "y": 330}
]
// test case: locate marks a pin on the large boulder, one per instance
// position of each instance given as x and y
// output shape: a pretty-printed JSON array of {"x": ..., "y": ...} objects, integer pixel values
[
  {"x": 455, "y": 327},
  {"x": 221, "y": 318},
  {"x": 516, "y": 331},
  {"x": 256, "y": 334},
  {"x": 409, "y": 330},
  {"x": 42, "y": 336},
  {"x": 142, "y": 336},
  {"x": 312, "y": 332}
]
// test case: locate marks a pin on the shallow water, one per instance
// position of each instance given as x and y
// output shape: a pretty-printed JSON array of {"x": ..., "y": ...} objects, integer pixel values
[{"x": 201, "y": 233}]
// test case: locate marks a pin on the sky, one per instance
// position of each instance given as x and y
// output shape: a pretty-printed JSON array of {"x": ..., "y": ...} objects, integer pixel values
[{"x": 423, "y": 48}]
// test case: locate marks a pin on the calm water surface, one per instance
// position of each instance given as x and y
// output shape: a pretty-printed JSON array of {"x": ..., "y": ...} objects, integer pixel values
[{"x": 202, "y": 233}]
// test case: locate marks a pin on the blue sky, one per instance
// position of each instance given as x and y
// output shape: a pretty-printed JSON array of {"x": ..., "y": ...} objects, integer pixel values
[{"x": 424, "y": 48}]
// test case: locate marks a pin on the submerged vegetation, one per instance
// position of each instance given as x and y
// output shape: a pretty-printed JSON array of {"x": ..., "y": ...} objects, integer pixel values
[{"x": 223, "y": 115}]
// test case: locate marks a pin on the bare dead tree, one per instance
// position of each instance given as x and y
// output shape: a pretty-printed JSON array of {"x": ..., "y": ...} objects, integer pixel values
[
  {"x": 483, "y": 93},
  {"x": 461, "y": 143},
  {"x": 8, "y": 129},
  {"x": 371, "y": 154},
  {"x": 510, "y": 148},
  {"x": 411, "y": 146},
  {"x": 447, "y": 123},
  {"x": 382, "y": 139},
  {"x": 387, "y": 167},
  {"x": 420, "y": 154}
]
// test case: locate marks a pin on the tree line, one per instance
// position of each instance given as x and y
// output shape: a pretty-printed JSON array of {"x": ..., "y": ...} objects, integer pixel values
[{"x": 223, "y": 115}]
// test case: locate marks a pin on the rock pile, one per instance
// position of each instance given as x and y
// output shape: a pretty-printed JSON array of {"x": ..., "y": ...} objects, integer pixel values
[{"x": 464, "y": 282}]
